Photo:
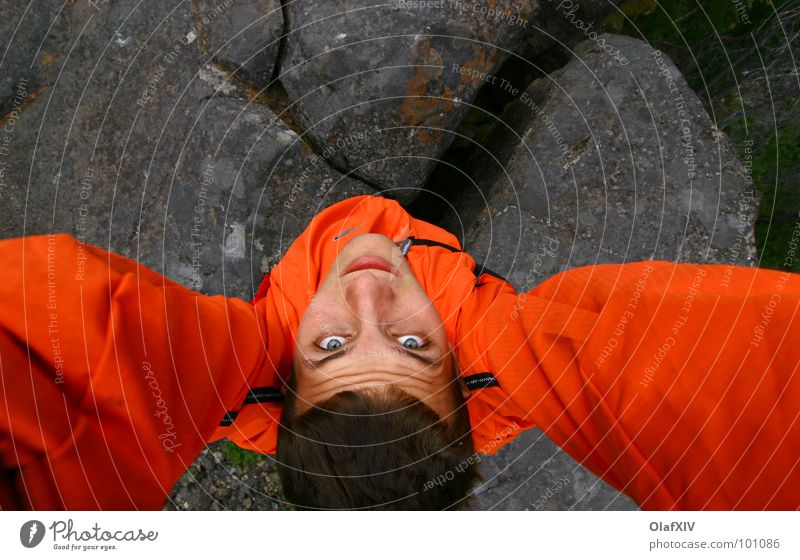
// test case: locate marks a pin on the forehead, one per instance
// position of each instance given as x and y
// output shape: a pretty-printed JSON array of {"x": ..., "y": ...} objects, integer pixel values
[{"x": 432, "y": 387}]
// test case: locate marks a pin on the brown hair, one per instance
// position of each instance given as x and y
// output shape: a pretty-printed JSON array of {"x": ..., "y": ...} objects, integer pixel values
[{"x": 377, "y": 448}]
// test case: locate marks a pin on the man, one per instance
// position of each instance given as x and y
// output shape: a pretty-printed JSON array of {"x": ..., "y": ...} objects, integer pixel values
[{"x": 677, "y": 384}]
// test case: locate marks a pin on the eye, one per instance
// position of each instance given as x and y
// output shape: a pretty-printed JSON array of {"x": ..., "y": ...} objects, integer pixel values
[
  {"x": 411, "y": 341},
  {"x": 332, "y": 342}
]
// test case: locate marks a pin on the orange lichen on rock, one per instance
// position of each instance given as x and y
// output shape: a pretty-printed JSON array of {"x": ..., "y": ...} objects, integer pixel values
[
  {"x": 484, "y": 62},
  {"x": 419, "y": 108}
]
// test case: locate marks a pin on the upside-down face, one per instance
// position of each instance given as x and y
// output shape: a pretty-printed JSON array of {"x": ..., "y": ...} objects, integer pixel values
[{"x": 371, "y": 324}]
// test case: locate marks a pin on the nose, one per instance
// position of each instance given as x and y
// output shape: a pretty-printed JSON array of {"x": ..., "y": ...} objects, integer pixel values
[{"x": 370, "y": 295}]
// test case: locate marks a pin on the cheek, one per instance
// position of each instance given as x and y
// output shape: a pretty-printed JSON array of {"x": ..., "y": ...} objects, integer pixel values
[
  {"x": 323, "y": 315},
  {"x": 422, "y": 309}
]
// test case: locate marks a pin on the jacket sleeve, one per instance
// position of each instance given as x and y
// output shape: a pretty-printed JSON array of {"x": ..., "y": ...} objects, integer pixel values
[
  {"x": 113, "y": 377},
  {"x": 677, "y": 384}
]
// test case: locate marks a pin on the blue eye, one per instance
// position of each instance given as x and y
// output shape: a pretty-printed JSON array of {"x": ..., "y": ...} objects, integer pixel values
[
  {"x": 411, "y": 341},
  {"x": 332, "y": 342}
]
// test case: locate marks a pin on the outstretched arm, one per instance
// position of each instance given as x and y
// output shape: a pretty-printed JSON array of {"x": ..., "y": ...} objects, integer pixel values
[
  {"x": 677, "y": 384},
  {"x": 113, "y": 377}
]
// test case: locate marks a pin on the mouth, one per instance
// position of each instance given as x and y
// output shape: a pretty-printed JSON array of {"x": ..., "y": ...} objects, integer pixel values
[{"x": 369, "y": 262}]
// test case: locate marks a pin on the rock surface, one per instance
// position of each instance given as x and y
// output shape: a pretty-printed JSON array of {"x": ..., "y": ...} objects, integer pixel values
[
  {"x": 533, "y": 473},
  {"x": 31, "y": 46},
  {"x": 604, "y": 162},
  {"x": 243, "y": 36},
  {"x": 386, "y": 72},
  {"x": 216, "y": 482},
  {"x": 152, "y": 152}
]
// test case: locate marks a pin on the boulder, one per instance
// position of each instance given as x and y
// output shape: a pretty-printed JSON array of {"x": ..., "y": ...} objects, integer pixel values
[
  {"x": 144, "y": 147},
  {"x": 34, "y": 37},
  {"x": 394, "y": 80},
  {"x": 243, "y": 36},
  {"x": 605, "y": 162}
]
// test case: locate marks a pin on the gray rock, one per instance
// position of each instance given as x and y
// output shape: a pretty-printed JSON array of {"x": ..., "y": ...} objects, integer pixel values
[
  {"x": 605, "y": 162},
  {"x": 532, "y": 473},
  {"x": 262, "y": 187},
  {"x": 599, "y": 163},
  {"x": 379, "y": 80},
  {"x": 143, "y": 148},
  {"x": 215, "y": 481},
  {"x": 243, "y": 36},
  {"x": 34, "y": 36}
]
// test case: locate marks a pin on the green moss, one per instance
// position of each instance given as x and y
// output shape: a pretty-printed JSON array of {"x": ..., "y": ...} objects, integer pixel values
[
  {"x": 775, "y": 173},
  {"x": 703, "y": 38},
  {"x": 615, "y": 22},
  {"x": 238, "y": 456},
  {"x": 773, "y": 254}
]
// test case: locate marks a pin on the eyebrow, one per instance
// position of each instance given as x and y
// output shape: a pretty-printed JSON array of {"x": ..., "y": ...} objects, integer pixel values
[{"x": 315, "y": 364}]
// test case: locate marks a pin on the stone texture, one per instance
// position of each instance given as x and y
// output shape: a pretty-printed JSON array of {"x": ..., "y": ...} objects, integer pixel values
[
  {"x": 215, "y": 482},
  {"x": 243, "y": 36},
  {"x": 33, "y": 36},
  {"x": 601, "y": 162},
  {"x": 532, "y": 473},
  {"x": 385, "y": 72},
  {"x": 143, "y": 147}
]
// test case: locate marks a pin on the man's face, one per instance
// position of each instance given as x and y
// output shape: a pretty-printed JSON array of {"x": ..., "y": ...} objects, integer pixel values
[{"x": 371, "y": 324}]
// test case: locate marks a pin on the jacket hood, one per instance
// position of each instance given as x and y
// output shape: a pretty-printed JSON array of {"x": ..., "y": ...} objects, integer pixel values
[{"x": 445, "y": 272}]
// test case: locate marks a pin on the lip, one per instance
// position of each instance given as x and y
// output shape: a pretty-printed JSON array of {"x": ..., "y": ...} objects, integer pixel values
[{"x": 369, "y": 262}]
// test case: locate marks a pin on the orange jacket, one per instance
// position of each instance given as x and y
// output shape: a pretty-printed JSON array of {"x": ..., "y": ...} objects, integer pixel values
[{"x": 677, "y": 384}]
